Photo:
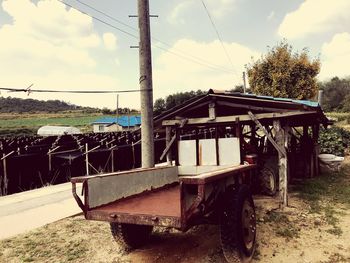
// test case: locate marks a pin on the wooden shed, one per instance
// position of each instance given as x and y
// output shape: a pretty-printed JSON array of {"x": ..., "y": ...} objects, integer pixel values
[{"x": 282, "y": 133}]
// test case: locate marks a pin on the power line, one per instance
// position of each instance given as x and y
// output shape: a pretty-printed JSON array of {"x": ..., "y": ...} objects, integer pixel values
[
  {"x": 193, "y": 59},
  {"x": 217, "y": 33},
  {"x": 107, "y": 15},
  {"x": 29, "y": 90},
  {"x": 206, "y": 63},
  {"x": 100, "y": 20}
]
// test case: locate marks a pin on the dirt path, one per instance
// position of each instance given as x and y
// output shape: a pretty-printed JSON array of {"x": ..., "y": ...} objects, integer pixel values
[
  {"x": 77, "y": 240},
  {"x": 310, "y": 230}
]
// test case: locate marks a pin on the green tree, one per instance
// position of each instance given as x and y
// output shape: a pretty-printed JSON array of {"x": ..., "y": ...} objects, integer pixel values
[
  {"x": 159, "y": 106},
  {"x": 106, "y": 111},
  {"x": 336, "y": 94},
  {"x": 346, "y": 103},
  {"x": 284, "y": 73},
  {"x": 174, "y": 100}
]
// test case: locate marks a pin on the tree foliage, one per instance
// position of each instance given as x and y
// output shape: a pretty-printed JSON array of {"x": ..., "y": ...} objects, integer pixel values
[
  {"x": 336, "y": 95},
  {"x": 284, "y": 73},
  {"x": 173, "y": 100},
  {"x": 16, "y": 105},
  {"x": 334, "y": 140}
]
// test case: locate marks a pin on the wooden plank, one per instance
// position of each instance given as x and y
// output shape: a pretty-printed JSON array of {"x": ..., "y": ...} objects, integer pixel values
[
  {"x": 242, "y": 118},
  {"x": 168, "y": 147},
  {"x": 168, "y": 141},
  {"x": 280, "y": 149},
  {"x": 173, "y": 139}
]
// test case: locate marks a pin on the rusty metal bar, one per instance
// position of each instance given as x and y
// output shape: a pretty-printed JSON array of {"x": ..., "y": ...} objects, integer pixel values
[{"x": 77, "y": 198}]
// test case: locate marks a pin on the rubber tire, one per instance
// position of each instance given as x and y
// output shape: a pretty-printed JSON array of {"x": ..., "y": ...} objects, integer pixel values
[
  {"x": 231, "y": 231},
  {"x": 264, "y": 182},
  {"x": 131, "y": 236}
]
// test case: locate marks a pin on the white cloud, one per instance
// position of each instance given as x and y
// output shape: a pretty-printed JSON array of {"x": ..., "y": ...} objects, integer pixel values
[
  {"x": 315, "y": 16},
  {"x": 335, "y": 57},
  {"x": 176, "y": 16},
  {"x": 47, "y": 31},
  {"x": 271, "y": 16},
  {"x": 174, "y": 74},
  {"x": 217, "y": 8},
  {"x": 54, "y": 47},
  {"x": 110, "y": 41}
]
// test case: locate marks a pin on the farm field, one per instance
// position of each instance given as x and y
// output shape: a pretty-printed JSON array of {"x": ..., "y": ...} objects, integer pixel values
[
  {"x": 342, "y": 119},
  {"x": 314, "y": 228},
  {"x": 19, "y": 124},
  {"x": 28, "y": 123}
]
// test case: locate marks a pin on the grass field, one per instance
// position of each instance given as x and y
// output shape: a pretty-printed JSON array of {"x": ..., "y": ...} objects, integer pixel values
[
  {"x": 342, "y": 119},
  {"x": 29, "y": 123},
  {"x": 17, "y": 124}
]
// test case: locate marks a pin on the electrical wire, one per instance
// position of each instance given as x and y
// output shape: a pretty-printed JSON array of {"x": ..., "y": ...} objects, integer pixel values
[
  {"x": 217, "y": 33},
  {"x": 100, "y": 20},
  {"x": 206, "y": 63},
  {"x": 29, "y": 90},
  {"x": 194, "y": 60}
]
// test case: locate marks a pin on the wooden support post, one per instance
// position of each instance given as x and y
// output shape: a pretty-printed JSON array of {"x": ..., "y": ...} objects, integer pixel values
[
  {"x": 5, "y": 180},
  {"x": 217, "y": 145},
  {"x": 253, "y": 140},
  {"x": 50, "y": 162},
  {"x": 212, "y": 111},
  {"x": 316, "y": 148},
  {"x": 282, "y": 163},
  {"x": 198, "y": 150},
  {"x": 167, "y": 140},
  {"x": 87, "y": 158},
  {"x": 177, "y": 134},
  {"x": 240, "y": 137},
  {"x": 112, "y": 160}
]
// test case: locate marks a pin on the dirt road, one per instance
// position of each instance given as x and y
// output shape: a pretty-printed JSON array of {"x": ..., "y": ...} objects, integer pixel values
[{"x": 314, "y": 228}]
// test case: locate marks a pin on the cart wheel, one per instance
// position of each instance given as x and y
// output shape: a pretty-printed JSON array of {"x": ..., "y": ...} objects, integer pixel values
[
  {"x": 268, "y": 181},
  {"x": 238, "y": 226},
  {"x": 130, "y": 235}
]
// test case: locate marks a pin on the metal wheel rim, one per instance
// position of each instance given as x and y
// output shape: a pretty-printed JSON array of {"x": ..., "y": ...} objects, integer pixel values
[{"x": 248, "y": 225}]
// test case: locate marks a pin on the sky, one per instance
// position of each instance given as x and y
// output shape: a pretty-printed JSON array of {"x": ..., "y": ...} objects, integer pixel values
[{"x": 53, "y": 46}]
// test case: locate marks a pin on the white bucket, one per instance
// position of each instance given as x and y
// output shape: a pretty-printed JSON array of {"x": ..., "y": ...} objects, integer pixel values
[{"x": 330, "y": 162}]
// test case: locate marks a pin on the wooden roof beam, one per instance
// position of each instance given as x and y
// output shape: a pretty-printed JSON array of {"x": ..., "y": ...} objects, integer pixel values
[{"x": 242, "y": 118}]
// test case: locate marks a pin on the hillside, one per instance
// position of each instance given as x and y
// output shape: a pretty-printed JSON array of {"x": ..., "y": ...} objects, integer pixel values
[{"x": 16, "y": 105}]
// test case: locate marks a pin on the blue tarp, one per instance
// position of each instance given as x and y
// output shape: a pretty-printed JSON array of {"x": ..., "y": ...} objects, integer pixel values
[{"x": 123, "y": 121}]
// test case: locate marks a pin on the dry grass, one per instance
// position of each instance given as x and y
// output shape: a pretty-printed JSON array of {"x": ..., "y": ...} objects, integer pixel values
[{"x": 296, "y": 233}]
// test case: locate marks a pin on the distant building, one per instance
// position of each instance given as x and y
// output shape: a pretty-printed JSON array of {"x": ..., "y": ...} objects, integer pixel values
[
  {"x": 57, "y": 130},
  {"x": 112, "y": 124}
]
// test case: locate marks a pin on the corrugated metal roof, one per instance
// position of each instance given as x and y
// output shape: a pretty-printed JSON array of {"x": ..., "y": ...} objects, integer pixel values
[
  {"x": 237, "y": 94},
  {"x": 123, "y": 121},
  {"x": 234, "y": 103}
]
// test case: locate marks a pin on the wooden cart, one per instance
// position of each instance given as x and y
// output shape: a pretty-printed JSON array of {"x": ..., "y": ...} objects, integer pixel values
[{"x": 209, "y": 185}]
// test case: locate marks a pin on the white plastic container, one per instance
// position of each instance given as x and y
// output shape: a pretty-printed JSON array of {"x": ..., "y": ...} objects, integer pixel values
[{"x": 330, "y": 162}]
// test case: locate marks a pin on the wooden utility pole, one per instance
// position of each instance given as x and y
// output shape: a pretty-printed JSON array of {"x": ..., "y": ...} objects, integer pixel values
[{"x": 146, "y": 90}]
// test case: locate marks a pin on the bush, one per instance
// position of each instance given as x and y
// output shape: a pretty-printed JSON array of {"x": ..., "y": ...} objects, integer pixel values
[{"x": 334, "y": 140}]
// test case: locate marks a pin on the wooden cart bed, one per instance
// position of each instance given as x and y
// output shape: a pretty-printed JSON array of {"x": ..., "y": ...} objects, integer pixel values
[{"x": 163, "y": 202}]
